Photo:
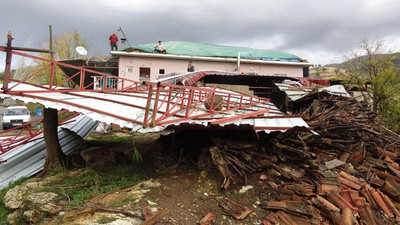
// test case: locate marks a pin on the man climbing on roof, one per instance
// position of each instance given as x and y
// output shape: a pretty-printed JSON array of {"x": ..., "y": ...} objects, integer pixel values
[
  {"x": 113, "y": 40},
  {"x": 159, "y": 48}
]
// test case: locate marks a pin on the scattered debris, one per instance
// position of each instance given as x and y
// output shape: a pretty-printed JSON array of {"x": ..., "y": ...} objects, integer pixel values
[
  {"x": 208, "y": 219},
  {"x": 244, "y": 189},
  {"x": 334, "y": 163},
  {"x": 146, "y": 210},
  {"x": 156, "y": 217},
  {"x": 232, "y": 208},
  {"x": 349, "y": 172}
]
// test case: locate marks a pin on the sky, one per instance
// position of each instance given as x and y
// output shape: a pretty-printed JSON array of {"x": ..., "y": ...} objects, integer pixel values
[{"x": 320, "y": 31}]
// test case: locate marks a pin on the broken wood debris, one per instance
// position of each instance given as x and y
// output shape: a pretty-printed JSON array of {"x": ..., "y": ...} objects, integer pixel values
[
  {"x": 349, "y": 172},
  {"x": 208, "y": 219},
  {"x": 350, "y": 136},
  {"x": 146, "y": 210},
  {"x": 234, "y": 209},
  {"x": 156, "y": 217}
]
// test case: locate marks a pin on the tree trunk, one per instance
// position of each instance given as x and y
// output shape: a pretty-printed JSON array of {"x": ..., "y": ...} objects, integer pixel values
[{"x": 55, "y": 158}]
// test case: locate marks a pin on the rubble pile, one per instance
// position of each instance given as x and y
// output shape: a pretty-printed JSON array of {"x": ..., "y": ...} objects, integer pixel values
[{"x": 348, "y": 174}]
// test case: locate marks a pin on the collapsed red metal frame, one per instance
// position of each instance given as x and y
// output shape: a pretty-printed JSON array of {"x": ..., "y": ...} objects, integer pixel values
[
  {"x": 166, "y": 103},
  {"x": 175, "y": 98}
]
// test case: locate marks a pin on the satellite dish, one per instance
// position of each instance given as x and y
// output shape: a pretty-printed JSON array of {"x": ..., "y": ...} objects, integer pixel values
[{"x": 81, "y": 50}]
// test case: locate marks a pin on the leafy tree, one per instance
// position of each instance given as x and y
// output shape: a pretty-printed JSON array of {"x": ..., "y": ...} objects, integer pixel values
[
  {"x": 64, "y": 45},
  {"x": 372, "y": 69},
  {"x": 64, "y": 48}
]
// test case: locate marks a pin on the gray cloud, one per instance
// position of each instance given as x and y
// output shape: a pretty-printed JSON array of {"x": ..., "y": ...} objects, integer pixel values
[{"x": 320, "y": 31}]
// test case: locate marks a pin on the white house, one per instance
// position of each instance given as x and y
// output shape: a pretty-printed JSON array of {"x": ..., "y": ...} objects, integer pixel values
[{"x": 140, "y": 63}]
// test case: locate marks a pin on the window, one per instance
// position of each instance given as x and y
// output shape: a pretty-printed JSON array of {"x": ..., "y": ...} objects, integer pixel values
[
  {"x": 129, "y": 69},
  {"x": 161, "y": 71}
]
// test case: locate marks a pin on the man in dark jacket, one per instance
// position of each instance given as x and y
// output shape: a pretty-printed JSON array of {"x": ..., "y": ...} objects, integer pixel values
[{"x": 190, "y": 67}]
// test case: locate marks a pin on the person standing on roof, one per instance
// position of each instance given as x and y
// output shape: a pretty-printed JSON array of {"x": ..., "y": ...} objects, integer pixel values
[
  {"x": 159, "y": 48},
  {"x": 190, "y": 67},
  {"x": 113, "y": 40}
]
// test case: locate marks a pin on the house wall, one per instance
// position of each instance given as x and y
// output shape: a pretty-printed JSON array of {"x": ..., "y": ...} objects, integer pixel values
[{"x": 129, "y": 67}]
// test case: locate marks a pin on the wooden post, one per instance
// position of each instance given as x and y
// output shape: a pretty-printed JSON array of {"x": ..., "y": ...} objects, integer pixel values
[
  {"x": 7, "y": 72},
  {"x": 51, "y": 43},
  {"x": 52, "y": 75}
]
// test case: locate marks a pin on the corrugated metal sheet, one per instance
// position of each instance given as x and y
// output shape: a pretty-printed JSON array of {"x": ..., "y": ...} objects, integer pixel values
[
  {"x": 128, "y": 107},
  {"x": 297, "y": 93},
  {"x": 28, "y": 159}
]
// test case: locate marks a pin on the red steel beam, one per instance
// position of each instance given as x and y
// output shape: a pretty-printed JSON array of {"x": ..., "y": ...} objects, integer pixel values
[{"x": 75, "y": 67}]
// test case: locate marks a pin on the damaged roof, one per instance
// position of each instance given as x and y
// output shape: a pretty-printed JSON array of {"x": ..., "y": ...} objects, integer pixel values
[{"x": 136, "y": 111}]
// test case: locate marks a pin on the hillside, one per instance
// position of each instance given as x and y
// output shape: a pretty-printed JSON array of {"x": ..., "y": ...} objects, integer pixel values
[
  {"x": 325, "y": 72},
  {"x": 338, "y": 70}
]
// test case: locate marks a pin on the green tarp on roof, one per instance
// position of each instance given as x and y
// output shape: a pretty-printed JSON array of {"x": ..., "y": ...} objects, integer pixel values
[{"x": 196, "y": 49}]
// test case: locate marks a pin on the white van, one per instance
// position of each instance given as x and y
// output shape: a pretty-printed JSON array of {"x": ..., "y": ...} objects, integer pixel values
[{"x": 15, "y": 116}]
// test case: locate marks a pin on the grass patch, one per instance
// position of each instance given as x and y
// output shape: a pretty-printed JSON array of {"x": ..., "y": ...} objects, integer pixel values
[
  {"x": 105, "y": 220},
  {"x": 3, "y": 210},
  {"x": 78, "y": 188},
  {"x": 109, "y": 140}
]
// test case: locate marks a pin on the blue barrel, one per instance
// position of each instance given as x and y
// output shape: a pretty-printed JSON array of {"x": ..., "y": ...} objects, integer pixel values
[{"x": 38, "y": 112}]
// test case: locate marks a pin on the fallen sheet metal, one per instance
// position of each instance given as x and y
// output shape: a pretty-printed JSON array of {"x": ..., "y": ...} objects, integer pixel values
[
  {"x": 28, "y": 159},
  {"x": 296, "y": 93}
]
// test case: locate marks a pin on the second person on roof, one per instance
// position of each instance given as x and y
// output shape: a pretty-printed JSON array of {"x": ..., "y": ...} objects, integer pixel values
[{"x": 159, "y": 48}]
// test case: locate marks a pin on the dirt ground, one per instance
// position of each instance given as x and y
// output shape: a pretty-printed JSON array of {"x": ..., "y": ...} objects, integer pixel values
[
  {"x": 191, "y": 193},
  {"x": 190, "y": 196}
]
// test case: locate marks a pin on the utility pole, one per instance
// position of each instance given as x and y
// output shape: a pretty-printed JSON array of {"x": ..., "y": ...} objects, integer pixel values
[
  {"x": 52, "y": 75},
  {"x": 51, "y": 43},
  {"x": 7, "y": 72}
]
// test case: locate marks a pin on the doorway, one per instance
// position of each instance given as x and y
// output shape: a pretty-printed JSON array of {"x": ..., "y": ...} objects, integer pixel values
[{"x": 144, "y": 74}]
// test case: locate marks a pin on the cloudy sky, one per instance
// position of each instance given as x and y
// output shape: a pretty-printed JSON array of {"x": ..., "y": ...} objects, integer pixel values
[{"x": 317, "y": 30}]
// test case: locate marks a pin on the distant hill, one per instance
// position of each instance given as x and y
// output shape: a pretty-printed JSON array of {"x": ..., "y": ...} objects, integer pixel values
[
  {"x": 327, "y": 72},
  {"x": 338, "y": 70}
]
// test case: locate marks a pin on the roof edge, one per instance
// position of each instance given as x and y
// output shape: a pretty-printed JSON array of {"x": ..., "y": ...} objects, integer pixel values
[{"x": 207, "y": 58}]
